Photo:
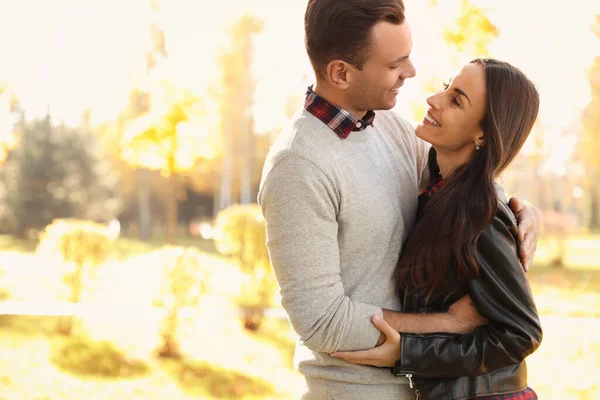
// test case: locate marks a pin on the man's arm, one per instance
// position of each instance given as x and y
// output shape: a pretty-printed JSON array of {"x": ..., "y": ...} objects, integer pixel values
[{"x": 300, "y": 205}]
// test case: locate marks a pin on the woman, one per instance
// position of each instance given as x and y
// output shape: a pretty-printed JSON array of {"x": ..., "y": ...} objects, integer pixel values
[{"x": 464, "y": 242}]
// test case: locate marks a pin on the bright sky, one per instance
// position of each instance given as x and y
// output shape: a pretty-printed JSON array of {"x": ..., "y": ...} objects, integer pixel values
[{"x": 74, "y": 54}]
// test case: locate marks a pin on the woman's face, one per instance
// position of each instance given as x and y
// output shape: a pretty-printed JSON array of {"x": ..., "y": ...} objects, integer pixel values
[{"x": 452, "y": 123}]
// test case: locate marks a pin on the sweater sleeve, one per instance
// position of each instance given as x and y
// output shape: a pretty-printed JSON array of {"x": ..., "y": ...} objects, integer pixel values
[
  {"x": 300, "y": 205},
  {"x": 502, "y": 294},
  {"x": 422, "y": 158}
]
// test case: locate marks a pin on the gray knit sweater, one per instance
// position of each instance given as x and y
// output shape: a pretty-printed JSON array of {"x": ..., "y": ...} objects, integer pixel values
[{"x": 337, "y": 213}]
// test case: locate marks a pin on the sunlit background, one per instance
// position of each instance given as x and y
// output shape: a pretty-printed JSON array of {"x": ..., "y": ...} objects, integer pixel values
[{"x": 132, "y": 137}]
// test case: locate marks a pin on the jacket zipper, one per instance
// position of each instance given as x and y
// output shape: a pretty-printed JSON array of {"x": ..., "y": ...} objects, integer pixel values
[
  {"x": 413, "y": 387},
  {"x": 409, "y": 376}
]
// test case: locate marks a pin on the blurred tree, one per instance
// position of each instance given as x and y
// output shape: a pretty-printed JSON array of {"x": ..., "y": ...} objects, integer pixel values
[
  {"x": 170, "y": 138},
  {"x": 590, "y": 141},
  {"x": 11, "y": 114},
  {"x": 469, "y": 37},
  {"x": 183, "y": 283},
  {"x": 240, "y": 233},
  {"x": 84, "y": 244},
  {"x": 166, "y": 130},
  {"x": 235, "y": 93},
  {"x": 539, "y": 153},
  {"x": 140, "y": 188},
  {"x": 140, "y": 100},
  {"x": 56, "y": 172},
  {"x": 473, "y": 31},
  {"x": 138, "y": 182}
]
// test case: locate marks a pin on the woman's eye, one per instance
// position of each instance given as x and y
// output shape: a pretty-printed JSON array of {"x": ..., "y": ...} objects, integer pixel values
[{"x": 455, "y": 101}]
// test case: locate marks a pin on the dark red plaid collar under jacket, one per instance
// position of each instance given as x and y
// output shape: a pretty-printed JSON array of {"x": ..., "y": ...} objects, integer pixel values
[
  {"x": 434, "y": 185},
  {"x": 340, "y": 121}
]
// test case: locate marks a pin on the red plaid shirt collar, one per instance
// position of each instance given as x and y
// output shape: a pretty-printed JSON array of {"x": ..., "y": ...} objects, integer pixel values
[
  {"x": 434, "y": 185},
  {"x": 338, "y": 120}
]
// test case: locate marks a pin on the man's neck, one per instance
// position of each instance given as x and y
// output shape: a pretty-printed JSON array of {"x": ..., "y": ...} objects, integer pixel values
[{"x": 337, "y": 99}]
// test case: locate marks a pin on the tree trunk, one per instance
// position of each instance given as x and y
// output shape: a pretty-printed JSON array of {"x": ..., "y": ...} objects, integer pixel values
[
  {"x": 247, "y": 166},
  {"x": 594, "y": 212},
  {"x": 172, "y": 209},
  {"x": 65, "y": 323},
  {"x": 253, "y": 317},
  {"x": 169, "y": 347},
  {"x": 227, "y": 169},
  {"x": 144, "y": 204}
]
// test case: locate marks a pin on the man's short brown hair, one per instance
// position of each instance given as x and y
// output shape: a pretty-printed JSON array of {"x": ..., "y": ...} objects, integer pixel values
[{"x": 341, "y": 29}]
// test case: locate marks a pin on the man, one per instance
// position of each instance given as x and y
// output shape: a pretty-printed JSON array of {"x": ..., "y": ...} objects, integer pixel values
[{"x": 339, "y": 195}]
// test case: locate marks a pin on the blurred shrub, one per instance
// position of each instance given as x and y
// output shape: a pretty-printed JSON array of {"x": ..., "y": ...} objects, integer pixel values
[
  {"x": 81, "y": 244},
  {"x": 86, "y": 357},
  {"x": 207, "y": 380},
  {"x": 240, "y": 233},
  {"x": 183, "y": 283}
]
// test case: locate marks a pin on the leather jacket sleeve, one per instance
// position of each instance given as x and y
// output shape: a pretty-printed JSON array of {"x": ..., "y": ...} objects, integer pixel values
[{"x": 502, "y": 294}]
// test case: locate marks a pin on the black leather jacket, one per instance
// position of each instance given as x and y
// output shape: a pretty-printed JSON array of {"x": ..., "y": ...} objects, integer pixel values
[{"x": 490, "y": 360}]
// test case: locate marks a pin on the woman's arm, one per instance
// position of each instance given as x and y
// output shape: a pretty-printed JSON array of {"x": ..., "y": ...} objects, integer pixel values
[{"x": 501, "y": 294}]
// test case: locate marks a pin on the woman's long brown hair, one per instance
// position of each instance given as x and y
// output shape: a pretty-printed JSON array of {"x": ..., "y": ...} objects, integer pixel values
[{"x": 439, "y": 256}]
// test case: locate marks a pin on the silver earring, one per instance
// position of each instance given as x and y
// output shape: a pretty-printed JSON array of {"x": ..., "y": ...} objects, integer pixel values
[{"x": 477, "y": 146}]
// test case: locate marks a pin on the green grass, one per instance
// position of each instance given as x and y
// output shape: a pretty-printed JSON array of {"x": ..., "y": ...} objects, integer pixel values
[
  {"x": 13, "y": 243},
  {"x": 205, "y": 380},
  {"x": 79, "y": 367},
  {"x": 128, "y": 247},
  {"x": 279, "y": 334},
  {"x": 581, "y": 251},
  {"x": 83, "y": 356},
  {"x": 570, "y": 347},
  {"x": 566, "y": 292},
  {"x": 28, "y": 326},
  {"x": 125, "y": 246},
  {"x": 223, "y": 361}
]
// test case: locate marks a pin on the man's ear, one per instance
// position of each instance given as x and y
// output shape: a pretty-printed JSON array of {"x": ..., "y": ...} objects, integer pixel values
[{"x": 339, "y": 74}]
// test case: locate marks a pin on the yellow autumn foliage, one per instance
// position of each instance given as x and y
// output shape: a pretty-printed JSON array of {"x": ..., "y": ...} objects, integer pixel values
[
  {"x": 240, "y": 233},
  {"x": 83, "y": 243},
  {"x": 184, "y": 281}
]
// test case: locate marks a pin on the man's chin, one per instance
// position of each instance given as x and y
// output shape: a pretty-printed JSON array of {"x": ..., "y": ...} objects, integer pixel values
[{"x": 387, "y": 105}]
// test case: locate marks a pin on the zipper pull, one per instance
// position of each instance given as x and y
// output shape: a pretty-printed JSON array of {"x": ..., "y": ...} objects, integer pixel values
[{"x": 410, "y": 384}]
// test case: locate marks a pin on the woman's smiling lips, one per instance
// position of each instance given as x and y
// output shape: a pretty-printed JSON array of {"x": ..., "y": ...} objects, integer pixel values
[{"x": 430, "y": 120}]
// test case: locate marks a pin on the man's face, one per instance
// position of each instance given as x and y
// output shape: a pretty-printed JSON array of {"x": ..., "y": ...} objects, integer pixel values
[{"x": 387, "y": 66}]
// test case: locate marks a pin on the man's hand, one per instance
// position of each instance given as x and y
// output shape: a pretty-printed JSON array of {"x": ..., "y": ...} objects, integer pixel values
[
  {"x": 529, "y": 220},
  {"x": 465, "y": 317},
  {"x": 381, "y": 356}
]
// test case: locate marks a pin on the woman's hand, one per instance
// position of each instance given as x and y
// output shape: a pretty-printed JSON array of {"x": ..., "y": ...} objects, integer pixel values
[{"x": 380, "y": 356}]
